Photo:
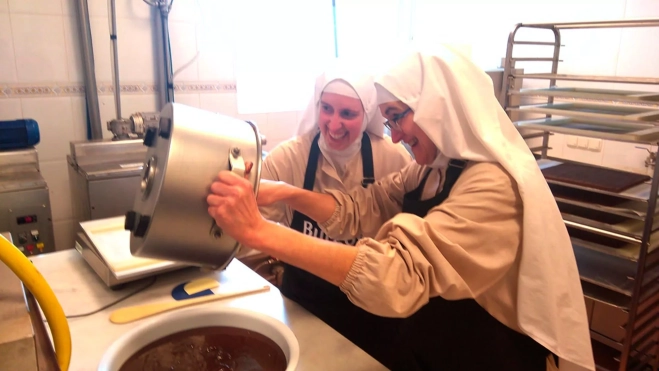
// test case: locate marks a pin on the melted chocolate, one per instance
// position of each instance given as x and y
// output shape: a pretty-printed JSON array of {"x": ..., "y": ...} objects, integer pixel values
[{"x": 209, "y": 348}]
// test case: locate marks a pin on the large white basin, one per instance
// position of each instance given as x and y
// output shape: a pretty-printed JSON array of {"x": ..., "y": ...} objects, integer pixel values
[{"x": 186, "y": 319}]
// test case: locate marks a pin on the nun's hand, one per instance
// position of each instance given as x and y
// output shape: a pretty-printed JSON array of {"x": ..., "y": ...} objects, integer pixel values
[{"x": 233, "y": 206}]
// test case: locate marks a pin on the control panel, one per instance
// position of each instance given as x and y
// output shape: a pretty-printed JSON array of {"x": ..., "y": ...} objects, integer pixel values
[
  {"x": 28, "y": 241},
  {"x": 31, "y": 230}
]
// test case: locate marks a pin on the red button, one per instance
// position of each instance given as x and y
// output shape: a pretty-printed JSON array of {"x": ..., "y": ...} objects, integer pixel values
[
  {"x": 30, "y": 247},
  {"x": 28, "y": 219}
]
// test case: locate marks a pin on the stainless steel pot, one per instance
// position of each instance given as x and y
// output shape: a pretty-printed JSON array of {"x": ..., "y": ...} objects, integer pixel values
[{"x": 188, "y": 149}]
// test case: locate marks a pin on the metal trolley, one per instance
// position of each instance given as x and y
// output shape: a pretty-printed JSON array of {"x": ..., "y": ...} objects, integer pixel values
[{"x": 614, "y": 233}]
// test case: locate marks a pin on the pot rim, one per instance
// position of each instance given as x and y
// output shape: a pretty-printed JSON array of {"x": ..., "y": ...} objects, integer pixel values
[{"x": 119, "y": 344}]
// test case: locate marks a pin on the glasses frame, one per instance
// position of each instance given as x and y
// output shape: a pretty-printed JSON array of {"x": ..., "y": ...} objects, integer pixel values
[{"x": 393, "y": 123}]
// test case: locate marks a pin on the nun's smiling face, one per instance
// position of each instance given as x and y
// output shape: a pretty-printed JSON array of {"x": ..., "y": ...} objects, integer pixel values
[
  {"x": 403, "y": 128},
  {"x": 340, "y": 120}
]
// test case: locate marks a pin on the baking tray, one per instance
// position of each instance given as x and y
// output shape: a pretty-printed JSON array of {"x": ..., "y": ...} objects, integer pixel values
[
  {"x": 588, "y": 78},
  {"x": 612, "y": 130},
  {"x": 614, "y": 247},
  {"x": 602, "y": 295},
  {"x": 608, "y": 272},
  {"x": 600, "y": 202},
  {"x": 594, "y": 111},
  {"x": 612, "y": 225},
  {"x": 594, "y": 177},
  {"x": 639, "y": 192},
  {"x": 610, "y": 95}
]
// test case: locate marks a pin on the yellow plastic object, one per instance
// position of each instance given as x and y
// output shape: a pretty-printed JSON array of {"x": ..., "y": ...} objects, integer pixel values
[
  {"x": 197, "y": 286},
  {"x": 34, "y": 281}
]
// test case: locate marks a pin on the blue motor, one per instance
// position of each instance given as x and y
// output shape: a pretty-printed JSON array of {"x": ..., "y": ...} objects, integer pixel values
[{"x": 17, "y": 134}]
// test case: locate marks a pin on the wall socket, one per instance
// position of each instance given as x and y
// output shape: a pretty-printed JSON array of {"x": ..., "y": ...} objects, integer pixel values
[{"x": 587, "y": 144}]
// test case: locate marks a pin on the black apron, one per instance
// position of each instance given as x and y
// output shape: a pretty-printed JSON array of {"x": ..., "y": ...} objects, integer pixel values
[
  {"x": 378, "y": 336},
  {"x": 459, "y": 334}
]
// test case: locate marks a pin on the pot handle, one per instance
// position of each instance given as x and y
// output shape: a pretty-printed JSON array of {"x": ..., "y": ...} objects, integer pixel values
[
  {"x": 236, "y": 162},
  {"x": 237, "y": 166}
]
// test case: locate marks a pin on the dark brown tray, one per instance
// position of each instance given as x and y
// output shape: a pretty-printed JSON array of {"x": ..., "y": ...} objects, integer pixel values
[{"x": 594, "y": 177}]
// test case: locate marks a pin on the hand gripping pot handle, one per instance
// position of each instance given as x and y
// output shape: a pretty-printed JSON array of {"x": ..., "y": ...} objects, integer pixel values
[{"x": 237, "y": 166}]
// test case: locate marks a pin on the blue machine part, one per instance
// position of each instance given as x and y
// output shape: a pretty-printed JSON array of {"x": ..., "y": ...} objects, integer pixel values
[{"x": 18, "y": 134}]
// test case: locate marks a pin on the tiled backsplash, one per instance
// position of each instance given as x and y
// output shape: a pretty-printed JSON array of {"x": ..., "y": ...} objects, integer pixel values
[{"x": 106, "y": 88}]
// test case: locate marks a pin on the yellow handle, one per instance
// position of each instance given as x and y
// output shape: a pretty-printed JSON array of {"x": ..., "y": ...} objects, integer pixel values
[
  {"x": 130, "y": 314},
  {"x": 34, "y": 281}
]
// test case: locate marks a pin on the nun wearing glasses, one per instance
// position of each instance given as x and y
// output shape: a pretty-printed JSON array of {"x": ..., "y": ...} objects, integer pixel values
[{"x": 470, "y": 251}]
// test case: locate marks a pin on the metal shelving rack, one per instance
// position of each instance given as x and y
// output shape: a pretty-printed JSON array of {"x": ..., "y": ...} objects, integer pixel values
[{"x": 615, "y": 235}]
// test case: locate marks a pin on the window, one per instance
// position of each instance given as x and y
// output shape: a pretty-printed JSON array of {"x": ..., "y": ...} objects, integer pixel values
[
  {"x": 281, "y": 47},
  {"x": 372, "y": 29}
]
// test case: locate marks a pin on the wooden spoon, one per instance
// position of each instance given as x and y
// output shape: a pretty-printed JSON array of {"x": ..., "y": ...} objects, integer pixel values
[{"x": 130, "y": 314}]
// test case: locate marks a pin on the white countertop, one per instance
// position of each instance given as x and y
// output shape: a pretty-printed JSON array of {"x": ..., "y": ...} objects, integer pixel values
[{"x": 80, "y": 290}]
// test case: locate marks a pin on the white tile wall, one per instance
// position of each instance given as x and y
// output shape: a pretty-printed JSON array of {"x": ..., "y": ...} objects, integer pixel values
[
  {"x": 35, "y": 7},
  {"x": 7, "y": 59},
  {"x": 4, "y": 6},
  {"x": 625, "y": 156},
  {"x": 136, "y": 56},
  {"x": 73, "y": 51},
  {"x": 184, "y": 40},
  {"x": 278, "y": 127},
  {"x": 216, "y": 65},
  {"x": 55, "y": 119},
  {"x": 10, "y": 109},
  {"x": 186, "y": 10},
  {"x": 591, "y": 52},
  {"x": 132, "y": 9},
  {"x": 96, "y": 7},
  {"x": 224, "y": 103},
  {"x": 40, "y": 48},
  {"x": 188, "y": 99},
  {"x": 215, "y": 43},
  {"x": 635, "y": 58}
]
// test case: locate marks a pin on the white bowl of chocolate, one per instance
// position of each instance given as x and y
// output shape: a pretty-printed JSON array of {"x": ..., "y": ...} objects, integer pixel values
[{"x": 218, "y": 339}]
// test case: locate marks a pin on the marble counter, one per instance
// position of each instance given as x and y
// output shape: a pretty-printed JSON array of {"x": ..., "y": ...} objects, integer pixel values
[{"x": 80, "y": 291}]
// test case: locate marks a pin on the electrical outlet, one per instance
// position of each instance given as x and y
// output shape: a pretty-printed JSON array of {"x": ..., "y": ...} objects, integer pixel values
[
  {"x": 594, "y": 145},
  {"x": 582, "y": 143}
]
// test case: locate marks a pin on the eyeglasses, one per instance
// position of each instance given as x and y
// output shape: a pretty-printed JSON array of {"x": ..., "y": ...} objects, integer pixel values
[{"x": 393, "y": 123}]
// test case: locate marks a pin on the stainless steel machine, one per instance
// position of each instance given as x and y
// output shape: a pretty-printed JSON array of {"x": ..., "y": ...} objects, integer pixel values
[
  {"x": 103, "y": 177},
  {"x": 105, "y": 246},
  {"x": 24, "y": 202}
]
